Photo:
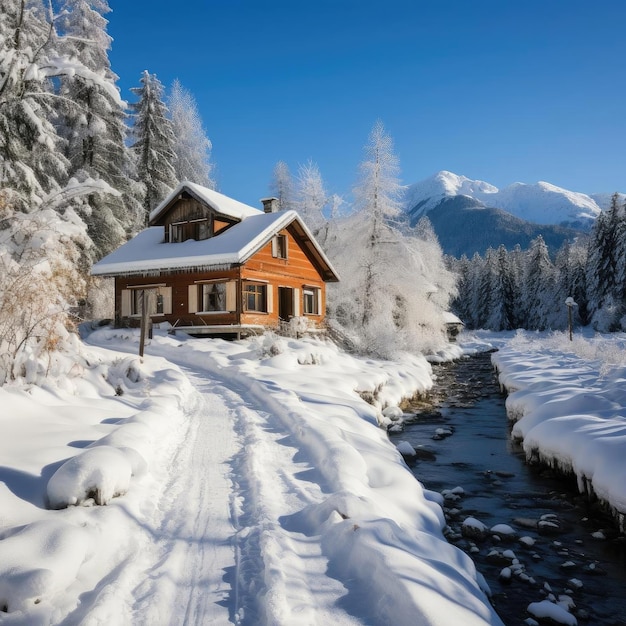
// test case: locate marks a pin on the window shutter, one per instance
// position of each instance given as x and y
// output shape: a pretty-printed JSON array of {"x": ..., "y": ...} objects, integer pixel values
[
  {"x": 274, "y": 246},
  {"x": 193, "y": 298},
  {"x": 126, "y": 295},
  {"x": 270, "y": 298},
  {"x": 319, "y": 301},
  {"x": 166, "y": 292},
  {"x": 231, "y": 295},
  {"x": 296, "y": 302}
]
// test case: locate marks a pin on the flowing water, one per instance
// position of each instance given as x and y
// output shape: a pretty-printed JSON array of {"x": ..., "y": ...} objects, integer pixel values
[{"x": 563, "y": 545}]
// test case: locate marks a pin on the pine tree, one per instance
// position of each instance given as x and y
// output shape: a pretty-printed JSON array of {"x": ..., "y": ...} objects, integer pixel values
[
  {"x": 94, "y": 125},
  {"x": 31, "y": 165},
  {"x": 154, "y": 142},
  {"x": 603, "y": 267},
  {"x": 192, "y": 147},
  {"x": 537, "y": 293},
  {"x": 461, "y": 303},
  {"x": 502, "y": 294}
]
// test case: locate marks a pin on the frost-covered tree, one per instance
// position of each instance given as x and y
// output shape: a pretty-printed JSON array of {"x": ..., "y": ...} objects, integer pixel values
[
  {"x": 93, "y": 122},
  {"x": 40, "y": 280},
  {"x": 394, "y": 284},
  {"x": 154, "y": 142},
  {"x": 377, "y": 199},
  {"x": 192, "y": 147},
  {"x": 282, "y": 186},
  {"x": 311, "y": 197}
]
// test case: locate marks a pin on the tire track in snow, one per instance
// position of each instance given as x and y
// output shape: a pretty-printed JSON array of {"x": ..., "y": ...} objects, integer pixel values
[
  {"x": 189, "y": 581},
  {"x": 282, "y": 573}
]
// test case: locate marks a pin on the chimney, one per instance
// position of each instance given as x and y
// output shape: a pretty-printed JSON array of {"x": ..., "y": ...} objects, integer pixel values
[{"x": 270, "y": 205}]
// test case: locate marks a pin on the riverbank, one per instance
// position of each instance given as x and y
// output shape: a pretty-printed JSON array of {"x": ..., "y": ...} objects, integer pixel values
[
  {"x": 568, "y": 404},
  {"x": 538, "y": 543}
]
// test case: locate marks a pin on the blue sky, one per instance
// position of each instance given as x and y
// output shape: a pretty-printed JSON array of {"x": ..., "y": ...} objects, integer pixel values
[{"x": 497, "y": 90}]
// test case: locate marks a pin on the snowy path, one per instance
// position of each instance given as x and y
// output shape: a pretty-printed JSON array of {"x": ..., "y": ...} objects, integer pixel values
[
  {"x": 221, "y": 552},
  {"x": 194, "y": 555}
]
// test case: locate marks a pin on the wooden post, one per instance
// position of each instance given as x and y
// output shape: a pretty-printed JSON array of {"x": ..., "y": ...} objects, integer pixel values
[
  {"x": 569, "y": 302},
  {"x": 144, "y": 321},
  {"x": 569, "y": 321}
]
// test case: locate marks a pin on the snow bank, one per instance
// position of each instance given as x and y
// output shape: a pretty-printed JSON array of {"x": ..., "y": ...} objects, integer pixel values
[
  {"x": 39, "y": 560},
  {"x": 568, "y": 401},
  {"x": 98, "y": 474},
  {"x": 80, "y": 442}
]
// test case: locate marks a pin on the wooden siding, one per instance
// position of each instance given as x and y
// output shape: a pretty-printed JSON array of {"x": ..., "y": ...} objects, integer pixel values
[
  {"x": 184, "y": 210},
  {"x": 188, "y": 211},
  {"x": 179, "y": 283},
  {"x": 295, "y": 272}
]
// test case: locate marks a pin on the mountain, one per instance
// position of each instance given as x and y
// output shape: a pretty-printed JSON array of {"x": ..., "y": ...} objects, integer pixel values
[
  {"x": 465, "y": 226},
  {"x": 541, "y": 203},
  {"x": 471, "y": 215}
]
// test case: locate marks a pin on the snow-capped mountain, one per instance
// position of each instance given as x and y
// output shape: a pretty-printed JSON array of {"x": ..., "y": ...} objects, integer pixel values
[{"x": 540, "y": 203}]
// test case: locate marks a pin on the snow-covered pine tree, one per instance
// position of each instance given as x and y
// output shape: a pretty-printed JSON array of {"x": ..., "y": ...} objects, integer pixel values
[
  {"x": 42, "y": 239},
  {"x": 538, "y": 286},
  {"x": 31, "y": 165},
  {"x": 154, "y": 142},
  {"x": 602, "y": 268},
  {"x": 475, "y": 295},
  {"x": 94, "y": 125},
  {"x": 620, "y": 254},
  {"x": 192, "y": 147},
  {"x": 501, "y": 314},
  {"x": 570, "y": 273},
  {"x": 282, "y": 186}
]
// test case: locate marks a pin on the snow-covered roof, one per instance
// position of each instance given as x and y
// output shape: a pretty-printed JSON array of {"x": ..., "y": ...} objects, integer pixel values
[
  {"x": 147, "y": 251},
  {"x": 219, "y": 202}
]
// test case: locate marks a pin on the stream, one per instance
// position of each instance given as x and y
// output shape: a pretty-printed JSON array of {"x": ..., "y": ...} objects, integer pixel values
[{"x": 552, "y": 543}]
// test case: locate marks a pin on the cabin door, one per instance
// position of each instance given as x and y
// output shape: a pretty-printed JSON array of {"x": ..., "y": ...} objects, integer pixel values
[{"x": 285, "y": 303}]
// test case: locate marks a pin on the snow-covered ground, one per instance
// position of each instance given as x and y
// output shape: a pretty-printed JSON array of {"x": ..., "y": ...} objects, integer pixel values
[
  {"x": 568, "y": 401},
  {"x": 251, "y": 483},
  {"x": 245, "y": 482}
]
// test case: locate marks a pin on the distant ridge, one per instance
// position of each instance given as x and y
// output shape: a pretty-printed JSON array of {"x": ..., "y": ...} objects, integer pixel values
[{"x": 472, "y": 215}]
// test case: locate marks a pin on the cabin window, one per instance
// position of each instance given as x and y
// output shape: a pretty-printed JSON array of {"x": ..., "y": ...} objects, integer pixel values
[
  {"x": 136, "y": 301},
  {"x": 311, "y": 300},
  {"x": 177, "y": 232},
  {"x": 279, "y": 247},
  {"x": 255, "y": 297},
  {"x": 202, "y": 230},
  {"x": 213, "y": 297},
  {"x": 159, "y": 301}
]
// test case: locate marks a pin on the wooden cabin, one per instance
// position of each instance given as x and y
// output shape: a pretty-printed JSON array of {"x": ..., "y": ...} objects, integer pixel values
[{"x": 210, "y": 265}]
